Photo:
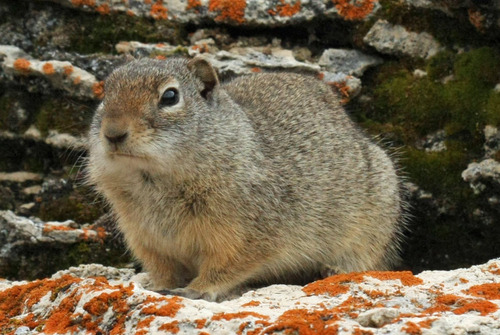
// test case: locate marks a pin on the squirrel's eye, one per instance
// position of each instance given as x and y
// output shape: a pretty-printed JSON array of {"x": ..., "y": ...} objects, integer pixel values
[{"x": 169, "y": 98}]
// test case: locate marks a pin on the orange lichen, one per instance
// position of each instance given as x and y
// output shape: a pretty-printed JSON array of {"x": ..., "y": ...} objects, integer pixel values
[
  {"x": 98, "y": 89},
  {"x": 78, "y": 3},
  {"x": 193, "y": 4},
  {"x": 320, "y": 75},
  {"x": 256, "y": 69},
  {"x": 374, "y": 293},
  {"x": 303, "y": 321},
  {"x": 169, "y": 309},
  {"x": 103, "y": 9},
  {"x": 406, "y": 277},
  {"x": 426, "y": 323},
  {"x": 251, "y": 303},
  {"x": 238, "y": 315},
  {"x": 68, "y": 70},
  {"x": 161, "y": 57},
  {"x": 412, "y": 328},
  {"x": 48, "y": 68},
  {"x": 343, "y": 89},
  {"x": 354, "y": 9},
  {"x": 49, "y": 228},
  {"x": 77, "y": 80},
  {"x": 487, "y": 291},
  {"x": 463, "y": 280},
  {"x": 359, "y": 331},
  {"x": 229, "y": 10},
  {"x": 22, "y": 65},
  {"x": 130, "y": 12},
  {"x": 158, "y": 11},
  {"x": 200, "y": 323},
  {"x": 482, "y": 306},
  {"x": 16, "y": 300},
  {"x": 476, "y": 18},
  {"x": 494, "y": 269},
  {"x": 335, "y": 285},
  {"x": 461, "y": 305},
  {"x": 171, "y": 327},
  {"x": 286, "y": 9}
]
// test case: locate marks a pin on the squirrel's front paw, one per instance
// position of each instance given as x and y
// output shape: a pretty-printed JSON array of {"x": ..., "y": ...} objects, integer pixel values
[{"x": 190, "y": 293}]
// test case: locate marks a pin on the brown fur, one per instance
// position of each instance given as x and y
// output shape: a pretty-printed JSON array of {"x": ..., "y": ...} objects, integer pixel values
[{"x": 261, "y": 179}]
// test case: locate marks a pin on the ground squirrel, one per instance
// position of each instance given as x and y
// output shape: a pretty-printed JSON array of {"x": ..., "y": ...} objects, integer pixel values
[{"x": 261, "y": 179}]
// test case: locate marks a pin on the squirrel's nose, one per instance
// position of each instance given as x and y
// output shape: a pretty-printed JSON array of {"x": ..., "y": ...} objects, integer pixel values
[{"x": 116, "y": 138}]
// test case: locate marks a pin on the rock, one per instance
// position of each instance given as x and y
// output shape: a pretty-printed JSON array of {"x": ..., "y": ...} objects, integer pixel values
[
  {"x": 20, "y": 177},
  {"x": 347, "y": 85},
  {"x": 419, "y": 73},
  {"x": 20, "y": 230},
  {"x": 238, "y": 12},
  {"x": 65, "y": 140},
  {"x": 492, "y": 141},
  {"x": 94, "y": 298},
  {"x": 433, "y": 142},
  {"x": 377, "y": 317},
  {"x": 482, "y": 173},
  {"x": 349, "y": 62},
  {"x": 63, "y": 75},
  {"x": 396, "y": 40},
  {"x": 54, "y": 138}
]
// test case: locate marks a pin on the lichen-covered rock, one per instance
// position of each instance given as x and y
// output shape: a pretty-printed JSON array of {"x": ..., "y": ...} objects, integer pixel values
[
  {"x": 482, "y": 173},
  {"x": 20, "y": 230},
  {"x": 492, "y": 141},
  {"x": 238, "y": 12},
  {"x": 350, "y": 62},
  {"x": 62, "y": 75},
  {"x": 100, "y": 299},
  {"x": 397, "y": 40},
  {"x": 30, "y": 247}
]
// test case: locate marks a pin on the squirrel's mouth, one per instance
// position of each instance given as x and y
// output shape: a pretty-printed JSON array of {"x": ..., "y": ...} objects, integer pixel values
[{"x": 125, "y": 154}]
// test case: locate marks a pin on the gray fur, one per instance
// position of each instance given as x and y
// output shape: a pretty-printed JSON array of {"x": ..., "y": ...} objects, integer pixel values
[{"x": 265, "y": 180}]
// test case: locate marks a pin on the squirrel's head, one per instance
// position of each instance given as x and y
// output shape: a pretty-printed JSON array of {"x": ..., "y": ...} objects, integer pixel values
[{"x": 152, "y": 108}]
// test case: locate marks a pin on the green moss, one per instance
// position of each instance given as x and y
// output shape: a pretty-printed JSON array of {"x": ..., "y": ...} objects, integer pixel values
[
  {"x": 63, "y": 116},
  {"x": 5, "y": 106},
  {"x": 480, "y": 67},
  {"x": 406, "y": 108},
  {"x": 438, "y": 172},
  {"x": 416, "y": 104},
  {"x": 492, "y": 109},
  {"x": 98, "y": 33},
  {"x": 441, "y": 65},
  {"x": 75, "y": 206},
  {"x": 424, "y": 105}
]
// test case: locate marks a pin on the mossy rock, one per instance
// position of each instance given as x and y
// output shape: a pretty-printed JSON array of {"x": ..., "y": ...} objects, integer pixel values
[
  {"x": 64, "y": 116},
  {"x": 43, "y": 260}
]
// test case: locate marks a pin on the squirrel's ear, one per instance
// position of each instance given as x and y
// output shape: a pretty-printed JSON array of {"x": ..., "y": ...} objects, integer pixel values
[{"x": 205, "y": 72}]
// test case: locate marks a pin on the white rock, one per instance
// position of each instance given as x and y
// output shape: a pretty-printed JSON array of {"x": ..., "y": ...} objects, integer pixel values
[
  {"x": 351, "y": 62},
  {"x": 396, "y": 40},
  {"x": 20, "y": 176},
  {"x": 462, "y": 301},
  {"x": 62, "y": 75}
]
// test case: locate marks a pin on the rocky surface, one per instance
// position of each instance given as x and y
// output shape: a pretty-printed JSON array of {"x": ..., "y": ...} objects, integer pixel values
[
  {"x": 62, "y": 75},
  {"x": 421, "y": 76},
  {"x": 233, "y": 12},
  {"x": 396, "y": 40},
  {"x": 97, "y": 299}
]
